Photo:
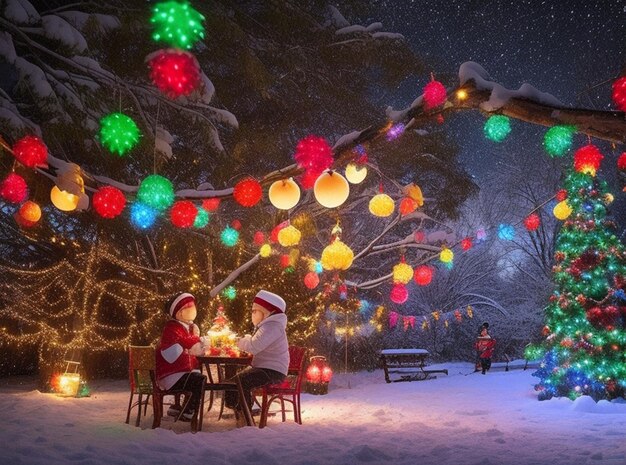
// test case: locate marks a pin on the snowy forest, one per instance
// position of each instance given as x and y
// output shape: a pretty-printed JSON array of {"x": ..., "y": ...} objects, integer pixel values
[{"x": 81, "y": 286}]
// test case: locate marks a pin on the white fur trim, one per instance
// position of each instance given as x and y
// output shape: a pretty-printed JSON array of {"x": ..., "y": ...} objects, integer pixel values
[
  {"x": 184, "y": 295},
  {"x": 172, "y": 353},
  {"x": 273, "y": 299}
]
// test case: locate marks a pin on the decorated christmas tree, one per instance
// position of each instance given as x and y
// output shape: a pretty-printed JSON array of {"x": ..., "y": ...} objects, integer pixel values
[{"x": 584, "y": 351}]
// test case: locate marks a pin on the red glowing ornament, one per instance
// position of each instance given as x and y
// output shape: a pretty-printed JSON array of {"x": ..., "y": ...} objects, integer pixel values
[
  {"x": 183, "y": 213},
  {"x": 621, "y": 162},
  {"x": 14, "y": 189},
  {"x": 174, "y": 72},
  {"x": 399, "y": 294},
  {"x": 259, "y": 238},
  {"x": 466, "y": 244},
  {"x": 284, "y": 261},
  {"x": 109, "y": 202},
  {"x": 31, "y": 151},
  {"x": 587, "y": 159},
  {"x": 211, "y": 205},
  {"x": 407, "y": 205},
  {"x": 314, "y": 155},
  {"x": 311, "y": 280},
  {"x": 619, "y": 93},
  {"x": 276, "y": 230},
  {"x": 318, "y": 375},
  {"x": 248, "y": 192},
  {"x": 532, "y": 222},
  {"x": 236, "y": 225},
  {"x": 423, "y": 275},
  {"x": 434, "y": 94},
  {"x": 561, "y": 195}
]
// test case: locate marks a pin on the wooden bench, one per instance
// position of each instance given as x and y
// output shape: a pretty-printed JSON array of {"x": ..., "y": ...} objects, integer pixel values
[{"x": 407, "y": 363}]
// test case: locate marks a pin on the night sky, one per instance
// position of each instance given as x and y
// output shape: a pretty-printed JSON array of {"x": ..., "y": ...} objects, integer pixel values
[{"x": 560, "y": 47}]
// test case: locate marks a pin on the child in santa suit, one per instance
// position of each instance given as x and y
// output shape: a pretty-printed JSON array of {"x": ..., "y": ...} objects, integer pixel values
[
  {"x": 268, "y": 344},
  {"x": 484, "y": 345},
  {"x": 176, "y": 363}
]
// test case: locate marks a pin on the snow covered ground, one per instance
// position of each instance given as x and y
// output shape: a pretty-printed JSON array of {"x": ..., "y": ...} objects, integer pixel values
[{"x": 490, "y": 420}]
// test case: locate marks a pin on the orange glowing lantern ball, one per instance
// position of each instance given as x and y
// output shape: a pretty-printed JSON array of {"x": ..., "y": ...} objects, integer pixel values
[
  {"x": 284, "y": 194},
  {"x": 30, "y": 212},
  {"x": 331, "y": 189},
  {"x": 63, "y": 200},
  {"x": 407, "y": 205}
]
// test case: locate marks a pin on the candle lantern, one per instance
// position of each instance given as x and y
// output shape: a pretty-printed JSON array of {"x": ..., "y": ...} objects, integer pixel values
[
  {"x": 67, "y": 383},
  {"x": 318, "y": 376}
]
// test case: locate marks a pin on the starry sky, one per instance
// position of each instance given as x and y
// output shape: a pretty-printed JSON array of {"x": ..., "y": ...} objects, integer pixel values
[{"x": 571, "y": 49}]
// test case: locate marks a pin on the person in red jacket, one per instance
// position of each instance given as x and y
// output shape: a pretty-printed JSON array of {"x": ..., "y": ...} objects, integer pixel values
[
  {"x": 484, "y": 346},
  {"x": 176, "y": 363}
]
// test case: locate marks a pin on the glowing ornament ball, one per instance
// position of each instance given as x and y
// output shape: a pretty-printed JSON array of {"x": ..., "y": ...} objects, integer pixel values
[
  {"x": 355, "y": 173},
  {"x": 558, "y": 140},
  {"x": 414, "y": 192},
  {"x": 381, "y": 205},
  {"x": 399, "y": 294},
  {"x": 619, "y": 93},
  {"x": 30, "y": 151},
  {"x": 337, "y": 256},
  {"x": 532, "y": 222},
  {"x": 156, "y": 192},
  {"x": 497, "y": 128},
  {"x": 561, "y": 195},
  {"x": 248, "y": 192},
  {"x": 177, "y": 23},
  {"x": 276, "y": 230},
  {"x": 285, "y": 261},
  {"x": 265, "y": 250},
  {"x": 446, "y": 255},
  {"x": 587, "y": 159},
  {"x": 142, "y": 216},
  {"x": 434, "y": 94},
  {"x": 29, "y": 214},
  {"x": 506, "y": 232},
  {"x": 331, "y": 189},
  {"x": 175, "y": 73},
  {"x": 562, "y": 210},
  {"x": 289, "y": 236},
  {"x": 284, "y": 194},
  {"x": 402, "y": 273},
  {"x": 423, "y": 275},
  {"x": 211, "y": 205},
  {"x": 259, "y": 238},
  {"x": 109, "y": 202},
  {"x": 311, "y": 280},
  {"x": 202, "y": 218},
  {"x": 621, "y": 162},
  {"x": 63, "y": 200},
  {"x": 229, "y": 236},
  {"x": 183, "y": 214},
  {"x": 118, "y": 133},
  {"x": 230, "y": 292},
  {"x": 13, "y": 188},
  {"x": 466, "y": 244},
  {"x": 314, "y": 155},
  {"x": 407, "y": 206}
]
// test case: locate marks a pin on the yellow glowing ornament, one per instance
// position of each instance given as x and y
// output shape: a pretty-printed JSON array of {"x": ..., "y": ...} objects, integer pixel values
[
  {"x": 331, "y": 189},
  {"x": 562, "y": 210},
  {"x": 289, "y": 236},
  {"x": 413, "y": 191},
  {"x": 446, "y": 255},
  {"x": 608, "y": 198},
  {"x": 381, "y": 205},
  {"x": 402, "y": 273},
  {"x": 355, "y": 174},
  {"x": 63, "y": 200},
  {"x": 284, "y": 194},
  {"x": 337, "y": 256},
  {"x": 265, "y": 251}
]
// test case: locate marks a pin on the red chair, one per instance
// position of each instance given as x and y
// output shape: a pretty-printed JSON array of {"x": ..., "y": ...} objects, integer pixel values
[{"x": 287, "y": 391}]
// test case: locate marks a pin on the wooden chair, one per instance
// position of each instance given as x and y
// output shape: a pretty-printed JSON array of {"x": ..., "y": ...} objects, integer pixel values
[
  {"x": 140, "y": 364},
  {"x": 287, "y": 391}
]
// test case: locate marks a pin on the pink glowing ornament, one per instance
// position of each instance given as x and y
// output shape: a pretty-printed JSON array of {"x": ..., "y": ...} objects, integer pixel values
[
  {"x": 31, "y": 151},
  {"x": 14, "y": 189},
  {"x": 109, "y": 202},
  {"x": 619, "y": 93},
  {"x": 174, "y": 72},
  {"x": 183, "y": 213},
  {"x": 434, "y": 94},
  {"x": 314, "y": 155},
  {"x": 621, "y": 162},
  {"x": 399, "y": 294}
]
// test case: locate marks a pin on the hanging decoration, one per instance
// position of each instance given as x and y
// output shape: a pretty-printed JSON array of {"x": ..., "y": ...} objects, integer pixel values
[
  {"x": 29, "y": 213},
  {"x": 285, "y": 260},
  {"x": 532, "y": 222},
  {"x": 446, "y": 255},
  {"x": 558, "y": 140},
  {"x": 562, "y": 210},
  {"x": 156, "y": 192},
  {"x": 331, "y": 189},
  {"x": 175, "y": 73},
  {"x": 265, "y": 250},
  {"x": 202, "y": 218},
  {"x": 402, "y": 272},
  {"x": 314, "y": 155},
  {"x": 118, "y": 133},
  {"x": 506, "y": 232},
  {"x": 356, "y": 173},
  {"x": 276, "y": 230},
  {"x": 259, "y": 238},
  {"x": 109, "y": 202},
  {"x": 177, "y": 23},
  {"x": 407, "y": 206},
  {"x": 619, "y": 93},
  {"x": 497, "y": 128},
  {"x": 434, "y": 95},
  {"x": 381, "y": 204},
  {"x": 211, "y": 205},
  {"x": 621, "y": 162},
  {"x": 466, "y": 244},
  {"x": 587, "y": 159},
  {"x": 230, "y": 292},
  {"x": 561, "y": 195},
  {"x": 311, "y": 280},
  {"x": 248, "y": 192},
  {"x": 481, "y": 235},
  {"x": 337, "y": 256},
  {"x": 142, "y": 216},
  {"x": 395, "y": 131},
  {"x": 30, "y": 151},
  {"x": 229, "y": 236},
  {"x": 414, "y": 192},
  {"x": 284, "y": 194},
  {"x": 183, "y": 214},
  {"x": 423, "y": 275},
  {"x": 289, "y": 236},
  {"x": 399, "y": 294},
  {"x": 13, "y": 188},
  {"x": 63, "y": 200}
]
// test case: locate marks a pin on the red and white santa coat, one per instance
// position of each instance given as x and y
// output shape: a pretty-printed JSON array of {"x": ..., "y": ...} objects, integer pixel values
[{"x": 175, "y": 353}]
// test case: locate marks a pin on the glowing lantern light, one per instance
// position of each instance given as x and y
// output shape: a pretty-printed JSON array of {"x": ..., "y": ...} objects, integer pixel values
[
  {"x": 414, "y": 192},
  {"x": 402, "y": 273},
  {"x": 248, "y": 192},
  {"x": 381, "y": 205},
  {"x": 423, "y": 275},
  {"x": 63, "y": 200},
  {"x": 399, "y": 294},
  {"x": 407, "y": 206},
  {"x": 31, "y": 151},
  {"x": 318, "y": 376},
  {"x": 142, "y": 216},
  {"x": 446, "y": 255},
  {"x": 497, "y": 128},
  {"x": 532, "y": 222},
  {"x": 118, "y": 133},
  {"x": 355, "y": 173},
  {"x": 177, "y": 23},
  {"x": 558, "y": 140},
  {"x": 202, "y": 218},
  {"x": 30, "y": 212},
  {"x": 183, "y": 214},
  {"x": 265, "y": 250},
  {"x": 562, "y": 210},
  {"x": 331, "y": 189},
  {"x": 156, "y": 192},
  {"x": 587, "y": 159},
  {"x": 174, "y": 72},
  {"x": 229, "y": 237},
  {"x": 211, "y": 205},
  {"x": 434, "y": 94},
  {"x": 109, "y": 202},
  {"x": 337, "y": 256},
  {"x": 259, "y": 238},
  {"x": 284, "y": 194},
  {"x": 466, "y": 244},
  {"x": 621, "y": 162},
  {"x": 314, "y": 155},
  {"x": 289, "y": 236},
  {"x": 619, "y": 93},
  {"x": 13, "y": 188},
  {"x": 311, "y": 280}
]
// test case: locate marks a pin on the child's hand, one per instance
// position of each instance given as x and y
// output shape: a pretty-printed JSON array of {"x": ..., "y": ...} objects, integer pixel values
[{"x": 195, "y": 330}]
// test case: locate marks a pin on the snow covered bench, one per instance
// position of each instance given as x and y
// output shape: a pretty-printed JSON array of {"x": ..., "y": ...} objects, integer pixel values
[{"x": 407, "y": 363}]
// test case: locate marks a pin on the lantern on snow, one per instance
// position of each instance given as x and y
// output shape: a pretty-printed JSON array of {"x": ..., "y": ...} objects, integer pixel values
[
  {"x": 381, "y": 205},
  {"x": 399, "y": 294},
  {"x": 289, "y": 236},
  {"x": 14, "y": 189},
  {"x": 31, "y": 151},
  {"x": 331, "y": 189},
  {"x": 311, "y": 280},
  {"x": 183, "y": 214},
  {"x": 337, "y": 256},
  {"x": 318, "y": 376},
  {"x": 284, "y": 194},
  {"x": 587, "y": 159},
  {"x": 109, "y": 202},
  {"x": 402, "y": 272},
  {"x": 66, "y": 384},
  {"x": 423, "y": 275},
  {"x": 248, "y": 192},
  {"x": 355, "y": 173},
  {"x": 562, "y": 210}
]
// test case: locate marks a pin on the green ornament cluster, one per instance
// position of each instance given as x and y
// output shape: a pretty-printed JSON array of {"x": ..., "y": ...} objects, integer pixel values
[{"x": 177, "y": 23}]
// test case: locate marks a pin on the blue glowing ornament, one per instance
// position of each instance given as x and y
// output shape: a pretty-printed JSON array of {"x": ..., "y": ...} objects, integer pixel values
[
  {"x": 588, "y": 207},
  {"x": 506, "y": 232},
  {"x": 364, "y": 306},
  {"x": 202, "y": 218},
  {"x": 449, "y": 265},
  {"x": 395, "y": 131},
  {"x": 142, "y": 216},
  {"x": 229, "y": 237},
  {"x": 230, "y": 293},
  {"x": 620, "y": 294},
  {"x": 318, "y": 267}
]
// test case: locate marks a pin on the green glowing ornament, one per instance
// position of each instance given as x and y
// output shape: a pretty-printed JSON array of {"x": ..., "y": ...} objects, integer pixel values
[
  {"x": 558, "y": 140},
  {"x": 497, "y": 128},
  {"x": 230, "y": 292},
  {"x": 202, "y": 218},
  {"x": 156, "y": 192},
  {"x": 229, "y": 237},
  {"x": 177, "y": 23},
  {"x": 118, "y": 133}
]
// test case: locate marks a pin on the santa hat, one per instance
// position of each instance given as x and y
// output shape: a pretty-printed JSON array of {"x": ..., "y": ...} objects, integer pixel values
[
  {"x": 273, "y": 303},
  {"x": 179, "y": 302}
]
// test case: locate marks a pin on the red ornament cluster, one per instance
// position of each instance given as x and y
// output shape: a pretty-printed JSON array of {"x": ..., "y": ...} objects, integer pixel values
[
  {"x": 183, "y": 213},
  {"x": 31, "y": 151},
  {"x": 532, "y": 222},
  {"x": 175, "y": 72},
  {"x": 619, "y": 93},
  {"x": 587, "y": 159},
  {"x": 621, "y": 162},
  {"x": 561, "y": 195},
  {"x": 314, "y": 155},
  {"x": 311, "y": 280},
  {"x": 248, "y": 192},
  {"x": 399, "y": 294},
  {"x": 109, "y": 202},
  {"x": 423, "y": 275},
  {"x": 603, "y": 318},
  {"x": 259, "y": 238},
  {"x": 14, "y": 189},
  {"x": 466, "y": 244},
  {"x": 434, "y": 94},
  {"x": 211, "y": 205}
]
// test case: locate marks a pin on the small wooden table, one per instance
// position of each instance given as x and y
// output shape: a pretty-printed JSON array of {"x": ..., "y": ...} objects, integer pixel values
[{"x": 408, "y": 363}]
